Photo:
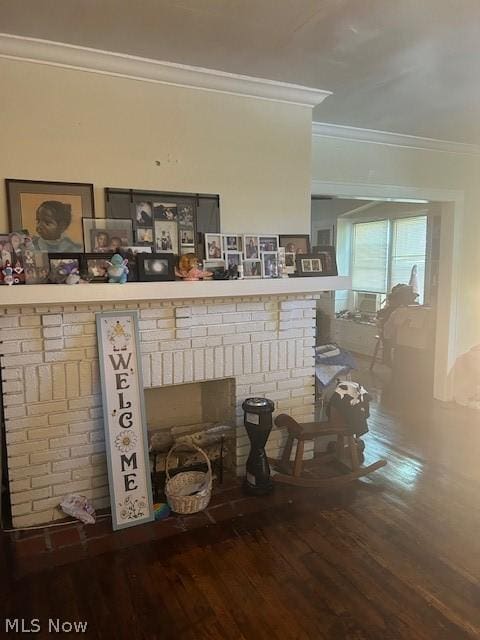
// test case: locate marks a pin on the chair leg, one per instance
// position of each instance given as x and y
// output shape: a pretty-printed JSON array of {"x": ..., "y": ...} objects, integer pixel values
[
  {"x": 298, "y": 464},
  {"x": 352, "y": 447},
  {"x": 287, "y": 452}
]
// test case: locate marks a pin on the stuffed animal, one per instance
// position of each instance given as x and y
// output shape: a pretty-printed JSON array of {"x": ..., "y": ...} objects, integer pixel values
[
  {"x": 188, "y": 268},
  {"x": 118, "y": 269},
  {"x": 8, "y": 277}
]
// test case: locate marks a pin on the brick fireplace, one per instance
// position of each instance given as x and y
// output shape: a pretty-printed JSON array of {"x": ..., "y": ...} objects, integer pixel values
[{"x": 51, "y": 388}]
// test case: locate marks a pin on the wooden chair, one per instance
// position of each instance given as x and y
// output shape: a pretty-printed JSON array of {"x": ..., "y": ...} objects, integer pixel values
[{"x": 347, "y": 452}]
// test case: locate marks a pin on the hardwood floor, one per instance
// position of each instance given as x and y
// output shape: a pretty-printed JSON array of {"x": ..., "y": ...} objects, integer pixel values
[{"x": 395, "y": 556}]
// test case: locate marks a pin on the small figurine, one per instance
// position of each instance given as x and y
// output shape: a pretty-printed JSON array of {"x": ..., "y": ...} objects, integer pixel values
[
  {"x": 8, "y": 274},
  {"x": 118, "y": 269},
  {"x": 188, "y": 268}
]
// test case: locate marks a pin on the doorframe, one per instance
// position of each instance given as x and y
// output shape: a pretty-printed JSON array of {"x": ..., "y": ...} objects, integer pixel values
[{"x": 452, "y": 203}]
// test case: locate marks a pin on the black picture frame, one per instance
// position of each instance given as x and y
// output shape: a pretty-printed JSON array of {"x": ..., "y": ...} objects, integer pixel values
[
  {"x": 74, "y": 199},
  {"x": 57, "y": 275},
  {"x": 87, "y": 268},
  {"x": 300, "y": 242},
  {"x": 113, "y": 228},
  {"x": 322, "y": 263},
  {"x": 147, "y": 273}
]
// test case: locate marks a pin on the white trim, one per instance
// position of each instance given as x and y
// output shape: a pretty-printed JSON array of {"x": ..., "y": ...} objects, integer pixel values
[
  {"x": 447, "y": 323},
  {"x": 70, "y": 56},
  {"x": 373, "y": 136}
]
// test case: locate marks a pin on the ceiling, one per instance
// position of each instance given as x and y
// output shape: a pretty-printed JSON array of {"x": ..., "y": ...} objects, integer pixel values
[{"x": 408, "y": 66}]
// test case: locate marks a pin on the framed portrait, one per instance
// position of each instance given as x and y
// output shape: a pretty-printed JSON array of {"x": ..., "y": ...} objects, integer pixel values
[
  {"x": 328, "y": 259},
  {"x": 94, "y": 266},
  {"x": 296, "y": 244},
  {"x": 232, "y": 242},
  {"x": 186, "y": 215},
  {"x": 156, "y": 267},
  {"x": 187, "y": 238},
  {"x": 216, "y": 267},
  {"x": 166, "y": 236},
  {"x": 165, "y": 211},
  {"x": 144, "y": 235},
  {"x": 61, "y": 265},
  {"x": 36, "y": 267},
  {"x": 269, "y": 261},
  {"x": 52, "y": 212},
  {"x": 290, "y": 263},
  {"x": 213, "y": 246},
  {"x": 268, "y": 243},
  {"x": 325, "y": 236},
  {"x": 103, "y": 235},
  {"x": 233, "y": 259},
  {"x": 143, "y": 214},
  {"x": 251, "y": 248},
  {"x": 130, "y": 253},
  {"x": 252, "y": 268}
]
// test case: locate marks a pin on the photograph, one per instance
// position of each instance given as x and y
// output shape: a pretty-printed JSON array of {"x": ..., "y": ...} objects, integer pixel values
[
  {"x": 143, "y": 214},
  {"x": 290, "y": 260},
  {"x": 94, "y": 266},
  {"x": 324, "y": 236},
  {"x": 252, "y": 268},
  {"x": 328, "y": 260},
  {"x": 13, "y": 247},
  {"x": 270, "y": 264},
  {"x": 130, "y": 253},
  {"x": 166, "y": 236},
  {"x": 36, "y": 267},
  {"x": 251, "y": 247},
  {"x": 186, "y": 215},
  {"x": 156, "y": 267},
  {"x": 213, "y": 246},
  {"x": 268, "y": 243},
  {"x": 186, "y": 237},
  {"x": 306, "y": 265},
  {"x": 105, "y": 234},
  {"x": 297, "y": 244},
  {"x": 144, "y": 234},
  {"x": 62, "y": 265},
  {"x": 232, "y": 242},
  {"x": 321, "y": 263},
  {"x": 233, "y": 259},
  {"x": 316, "y": 264},
  {"x": 51, "y": 212},
  {"x": 165, "y": 211}
]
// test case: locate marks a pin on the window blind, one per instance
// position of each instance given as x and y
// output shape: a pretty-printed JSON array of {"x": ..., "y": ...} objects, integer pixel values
[
  {"x": 370, "y": 256},
  {"x": 408, "y": 249}
]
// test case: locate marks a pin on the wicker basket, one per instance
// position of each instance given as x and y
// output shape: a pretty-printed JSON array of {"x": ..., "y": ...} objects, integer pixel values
[{"x": 177, "y": 486}]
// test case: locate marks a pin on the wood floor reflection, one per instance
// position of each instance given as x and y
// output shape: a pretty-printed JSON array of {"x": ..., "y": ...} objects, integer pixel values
[{"x": 395, "y": 556}]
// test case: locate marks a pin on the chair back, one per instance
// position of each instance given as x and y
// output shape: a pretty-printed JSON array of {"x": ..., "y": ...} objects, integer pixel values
[{"x": 285, "y": 421}]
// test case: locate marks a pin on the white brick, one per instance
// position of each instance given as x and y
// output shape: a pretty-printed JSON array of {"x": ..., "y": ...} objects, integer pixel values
[
  {"x": 219, "y": 371},
  {"x": 25, "y": 423},
  {"x": 249, "y": 327},
  {"x": 12, "y": 374},
  {"x": 156, "y": 369},
  {"x": 291, "y": 383},
  {"x": 178, "y": 367},
  {"x": 90, "y": 472},
  {"x": 277, "y": 375},
  {"x": 221, "y": 308},
  {"x": 250, "y": 306},
  {"x": 236, "y": 317},
  {"x": 239, "y": 338},
  {"x": 20, "y": 334},
  {"x": 198, "y": 310},
  {"x": 88, "y": 449},
  {"x": 238, "y": 359},
  {"x": 306, "y": 371},
  {"x": 28, "y": 358},
  {"x": 247, "y": 358},
  {"x": 261, "y": 336},
  {"x": 71, "y": 463},
  {"x": 209, "y": 363},
  {"x": 52, "y": 320},
  {"x": 50, "y": 455},
  {"x": 156, "y": 313},
  {"x": 53, "y": 345},
  {"x": 78, "y": 317},
  {"x": 228, "y": 351},
  {"x": 296, "y": 324},
  {"x": 29, "y": 346},
  {"x": 80, "y": 341},
  {"x": 51, "y": 479},
  {"x": 199, "y": 343},
  {"x": 198, "y": 364},
  {"x": 147, "y": 324},
  {"x": 257, "y": 378},
  {"x": 221, "y": 330},
  {"x": 256, "y": 357},
  {"x": 20, "y": 485},
  {"x": 265, "y": 387},
  {"x": 26, "y": 447},
  {"x": 47, "y": 408},
  {"x": 25, "y": 470},
  {"x": 289, "y": 305},
  {"x": 295, "y": 314},
  {"x": 85, "y": 402},
  {"x": 62, "y": 356},
  {"x": 182, "y": 334},
  {"x": 265, "y": 350},
  {"x": 13, "y": 386},
  {"x": 157, "y": 334},
  {"x": 69, "y": 441},
  {"x": 263, "y": 315},
  {"x": 174, "y": 345},
  {"x": 72, "y": 330},
  {"x": 7, "y": 322},
  {"x": 52, "y": 332},
  {"x": 167, "y": 367},
  {"x": 188, "y": 366},
  {"x": 282, "y": 355},
  {"x": 146, "y": 370},
  {"x": 44, "y": 434},
  {"x": 198, "y": 332}
]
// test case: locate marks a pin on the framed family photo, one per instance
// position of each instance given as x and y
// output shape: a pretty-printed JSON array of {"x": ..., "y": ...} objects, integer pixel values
[
  {"x": 295, "y": 243},
  {"x": 251, "y": 247},
  {"x": 213, "y": 246},
  {"x": 156, "y": 267},
  {"x": 51, "y": 212},
  {"x": 94, "y": 266},
  {"x": 322, "y": 263},
  {"x": 166, "y": 236},
  {"x": 61, "y": 265},
  {"x": 104, "y": 235}
]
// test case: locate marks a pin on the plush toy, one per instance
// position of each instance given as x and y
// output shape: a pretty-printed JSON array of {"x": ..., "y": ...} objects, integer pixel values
[
  {"x": 8, "y": 274},
  {"x": 188, "y": 268},
  {"x": 118, "y": 269}
]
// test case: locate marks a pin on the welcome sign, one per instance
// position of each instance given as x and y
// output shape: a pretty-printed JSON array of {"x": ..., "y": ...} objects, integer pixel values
[{"x": 124, "y": 418}]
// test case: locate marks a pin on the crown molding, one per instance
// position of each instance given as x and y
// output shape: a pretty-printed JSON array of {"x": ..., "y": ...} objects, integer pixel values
[
  {"x": 342, "y": 132},
  {"x": 59, "y": 54}
]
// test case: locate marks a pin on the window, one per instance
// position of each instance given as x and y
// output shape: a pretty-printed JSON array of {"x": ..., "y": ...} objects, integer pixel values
[{"x": 384, "y": 252}]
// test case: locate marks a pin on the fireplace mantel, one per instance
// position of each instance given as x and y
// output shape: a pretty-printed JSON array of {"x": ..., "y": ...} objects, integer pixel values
[{"x": 19, "y": 296}]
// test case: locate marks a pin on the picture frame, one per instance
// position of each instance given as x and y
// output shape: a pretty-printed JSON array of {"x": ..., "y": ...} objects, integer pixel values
[
  {"x": 106, "y": 235},
  {"x": 166, "y": 236},
  {"x": 143, "y": 214},
  {"x": 318, "y": 264},
  {"x": 130, "y": 253},
  {"x": 290, "y": 263},
  {"x": 269, "y": 261},
  {"x": 61, "y": 265},
  {"x": 94, "y": 267},
  {"x": 156, "y": 267},
  {"x": 233, "y": 259},
  {"x": 252, "y": 269},
  {"x": 36, "y": 267},
  {"x": 14, "y": 247},
  {"x": 295, "y": 243},
  {"x": 144, "y": 235},
  {"x": 165, "y": 211},
  {"x": 232, "y": 242},
  {"x": 251, "y": 247},
  {"x": 268, "y": 243},
  {"x": 187, "y": 237},
  {"x": 51, "y": 212},
  {"x": 328, "y": 259},
  {"x": 213, "y": 246},
  {"x": 186, "y": 215},
  {"x": 216, "y": 267}
]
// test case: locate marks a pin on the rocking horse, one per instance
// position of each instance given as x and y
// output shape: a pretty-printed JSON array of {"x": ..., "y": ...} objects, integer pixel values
[{"x": 347, "y": 412}]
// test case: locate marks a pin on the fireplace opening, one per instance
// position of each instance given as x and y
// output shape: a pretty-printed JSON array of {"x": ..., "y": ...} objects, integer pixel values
[{"x": 200, "y": 413}]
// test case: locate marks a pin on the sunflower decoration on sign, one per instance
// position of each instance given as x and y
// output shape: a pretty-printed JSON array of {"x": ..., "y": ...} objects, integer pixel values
[{"x": 126, "y": 441}]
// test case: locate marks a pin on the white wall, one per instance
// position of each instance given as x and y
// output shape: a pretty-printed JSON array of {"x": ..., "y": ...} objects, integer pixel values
[
  {"x": 365, "y": 164},
  {"x": 60, "y": 124}
]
